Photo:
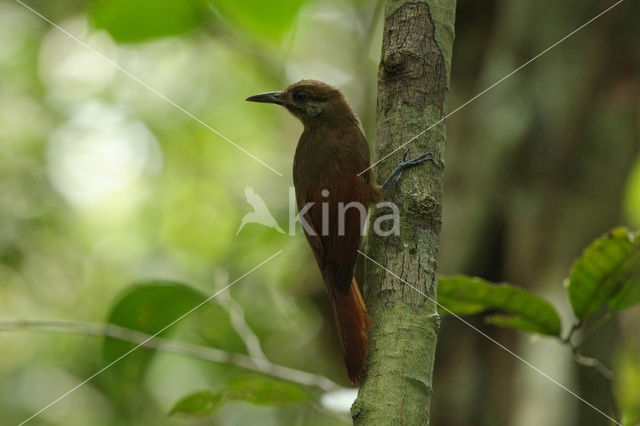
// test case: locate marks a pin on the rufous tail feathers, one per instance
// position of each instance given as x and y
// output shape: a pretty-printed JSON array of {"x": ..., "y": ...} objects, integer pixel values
[{"x": 352, "y": 321}]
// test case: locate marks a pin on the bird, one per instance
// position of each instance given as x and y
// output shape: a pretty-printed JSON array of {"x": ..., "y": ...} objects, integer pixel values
[
  {"x": 260, "y": 213},
  {"x": 330, "y": 171}
]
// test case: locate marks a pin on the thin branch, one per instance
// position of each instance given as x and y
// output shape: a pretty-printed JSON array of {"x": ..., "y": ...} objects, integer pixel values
[
  {"x": 238, "y": 321},
  {"x": 158, "y": 343},
  {"x": 594, "y": 363},
  {"x": 573, "y": 329},
  {"x": 602, "y": 370}
]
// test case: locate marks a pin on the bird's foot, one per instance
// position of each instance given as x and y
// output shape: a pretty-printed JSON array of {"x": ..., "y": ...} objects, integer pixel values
[{"x": 407, "y": 164}]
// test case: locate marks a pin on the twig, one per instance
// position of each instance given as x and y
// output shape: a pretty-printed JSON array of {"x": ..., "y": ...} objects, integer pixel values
[
  {"x": 594, "y": 363},
  {"x": 602, "y": 370},
  {"x": 158, "y": 343},
  {"x": 573, "y": 329},
  {"x": 238, "y": 321}
]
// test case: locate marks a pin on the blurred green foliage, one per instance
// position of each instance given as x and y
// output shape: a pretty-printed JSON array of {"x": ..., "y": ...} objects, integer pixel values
[
  {"x": 132, "y": 21},
  {"x": 605, "y": 277},
  {"x": 607, "y": 273},
  {"x": 269, "y": 21},
  {"x": 150, "y": 308},
  {"x": 464, "y": 295}
]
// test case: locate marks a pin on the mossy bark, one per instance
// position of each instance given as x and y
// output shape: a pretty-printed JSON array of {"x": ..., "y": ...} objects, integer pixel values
[{"x": 413, "y": 81}]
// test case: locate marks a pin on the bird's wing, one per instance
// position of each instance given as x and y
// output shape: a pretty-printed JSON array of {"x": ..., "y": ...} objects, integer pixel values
[
  {"x": 343, "y": 244},
  {"x": 335, "y": 168},
  {"x": 375, "y": 191},
  {"x": 336, "y": 246}
]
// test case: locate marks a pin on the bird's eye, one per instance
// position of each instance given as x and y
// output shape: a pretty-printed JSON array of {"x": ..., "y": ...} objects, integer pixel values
[{"x": 300, "y": 96}]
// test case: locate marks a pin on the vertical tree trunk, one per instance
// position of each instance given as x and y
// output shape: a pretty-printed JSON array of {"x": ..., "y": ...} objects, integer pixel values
[{"x": 413, "y": 80}]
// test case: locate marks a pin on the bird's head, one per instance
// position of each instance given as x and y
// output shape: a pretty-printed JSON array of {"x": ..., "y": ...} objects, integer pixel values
[{"x": 311, "y": 101}]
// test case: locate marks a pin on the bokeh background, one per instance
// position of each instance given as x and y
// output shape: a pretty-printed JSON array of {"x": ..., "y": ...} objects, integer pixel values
[{"x": 105, "y": 183}]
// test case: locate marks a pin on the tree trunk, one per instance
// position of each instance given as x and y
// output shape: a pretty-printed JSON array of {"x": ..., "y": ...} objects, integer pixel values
[{"x": 413, "y": 81}]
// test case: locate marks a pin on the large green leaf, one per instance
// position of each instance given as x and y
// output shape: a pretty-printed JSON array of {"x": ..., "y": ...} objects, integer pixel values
[
  {"x": 608, "y": 271},
  {"x": 465, "y": 295},
  {"x": 263, "y": 19},
  {"x": 132, "y": 21},
  {"x": 147, "y": 307},
  {"x": 255, "y": 389}
]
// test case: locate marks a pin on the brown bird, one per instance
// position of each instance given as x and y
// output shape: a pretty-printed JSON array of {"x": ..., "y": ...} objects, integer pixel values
[{"x": 331, "y": 154}]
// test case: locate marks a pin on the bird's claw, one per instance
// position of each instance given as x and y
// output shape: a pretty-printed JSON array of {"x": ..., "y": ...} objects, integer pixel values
[{"x": 407, "y": 164}]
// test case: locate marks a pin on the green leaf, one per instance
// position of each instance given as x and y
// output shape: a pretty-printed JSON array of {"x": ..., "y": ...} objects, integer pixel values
[
  {"x": 146, "y": 307},
  {"x": 255, "y": 389},
  {"x": 264, "y": 390},
  {"x": 199, "y": 403},
  {"x": 629, "y": 295},
  {"x": 509, "y": 321},
  {"x": 133, "y": 21},
  {"x": 262, "y": 19},
  {"x": 608, "y": 271},
  {"x": 465, "y": 295}
]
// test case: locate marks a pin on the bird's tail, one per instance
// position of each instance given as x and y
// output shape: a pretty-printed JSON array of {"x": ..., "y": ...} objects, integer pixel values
[{"x": 352, "y": 321}]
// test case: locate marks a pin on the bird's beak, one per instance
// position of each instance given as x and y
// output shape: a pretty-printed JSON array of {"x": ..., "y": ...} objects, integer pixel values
[{"x": 268, "y": 97}]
